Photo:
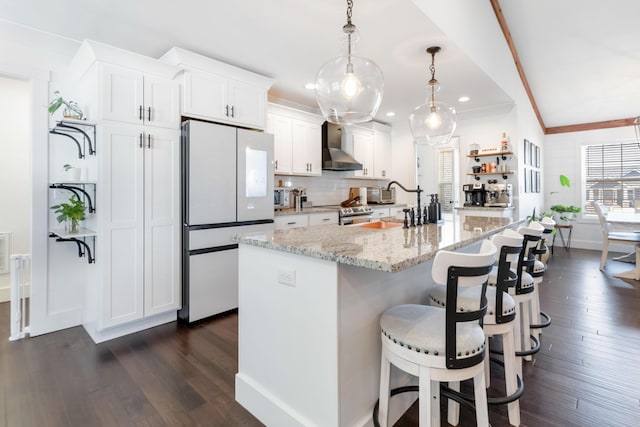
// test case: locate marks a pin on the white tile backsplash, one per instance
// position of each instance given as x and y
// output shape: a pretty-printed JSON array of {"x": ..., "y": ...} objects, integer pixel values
[{"x": 329, "y": 189}]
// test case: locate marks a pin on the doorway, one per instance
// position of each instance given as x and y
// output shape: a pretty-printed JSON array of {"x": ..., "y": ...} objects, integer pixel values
[{"x": 15, "y": 175}]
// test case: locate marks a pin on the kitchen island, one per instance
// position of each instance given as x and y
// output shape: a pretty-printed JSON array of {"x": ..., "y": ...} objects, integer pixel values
[{"x": 309, "y": 305}]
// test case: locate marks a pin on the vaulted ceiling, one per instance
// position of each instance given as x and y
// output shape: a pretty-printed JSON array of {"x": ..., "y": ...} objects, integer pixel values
[{"x": 580, "y": 57}]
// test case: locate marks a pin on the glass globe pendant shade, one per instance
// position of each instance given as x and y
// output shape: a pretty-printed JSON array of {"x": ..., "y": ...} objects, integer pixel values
[
  {"x": 349, "y": 91},
  {"x": 433, "y": 123}
]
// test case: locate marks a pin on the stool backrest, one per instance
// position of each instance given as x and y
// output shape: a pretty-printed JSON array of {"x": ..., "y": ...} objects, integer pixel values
[
  {"x": 463, "y": 269},
  {"x": 509, "y": 245},
  {"x": 600, "y": 211}
]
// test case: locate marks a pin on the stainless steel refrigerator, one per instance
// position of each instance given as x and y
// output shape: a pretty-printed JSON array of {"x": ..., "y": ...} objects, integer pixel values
[{"x": 227, "y": 180}]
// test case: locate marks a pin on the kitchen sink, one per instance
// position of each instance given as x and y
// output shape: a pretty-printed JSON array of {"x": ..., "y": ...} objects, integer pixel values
[{"x": 380, "y": 225}]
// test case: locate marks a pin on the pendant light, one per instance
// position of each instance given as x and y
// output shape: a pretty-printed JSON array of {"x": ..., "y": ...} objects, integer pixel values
[
  {"x": 349, "y": 88},
  {"x": 433, "y": 122}
]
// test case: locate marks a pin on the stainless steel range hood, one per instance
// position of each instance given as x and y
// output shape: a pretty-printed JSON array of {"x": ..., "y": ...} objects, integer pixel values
[{"x": 334, "y": 158}]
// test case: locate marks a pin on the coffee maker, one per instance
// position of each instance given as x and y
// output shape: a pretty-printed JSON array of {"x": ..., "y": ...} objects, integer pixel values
[
  {"x": 499, "y": 195},
  {"x": 474, "y": 194}
]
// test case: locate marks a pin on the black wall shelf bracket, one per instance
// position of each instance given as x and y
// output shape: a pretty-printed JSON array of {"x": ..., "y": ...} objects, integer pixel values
[
  {"x": 83, "y": 247},
  {"x": 66, "y": 128},
  {"x": 76, "y": 190}
]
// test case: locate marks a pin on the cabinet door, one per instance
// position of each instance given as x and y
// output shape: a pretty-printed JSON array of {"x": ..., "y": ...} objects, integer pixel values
[
  {"x": 122, "y": 94},
  {"x": 290, "y": 221},
  {"x": 382, "y": 155},
  {"x": 282, "y": 130},
  {"x": 121, "y": 197},
  {"x": 380, "y": 213},
  {"x": 307, "y": 148},
  {"x": 363, "y": 152},
  {"x": 247, "y": 104},
  {"x": 323, "y": 218},
  {"x": 162, "y": 221},
  {"x": 161, "y": 102},
  {"x": 205, "y": 96}
]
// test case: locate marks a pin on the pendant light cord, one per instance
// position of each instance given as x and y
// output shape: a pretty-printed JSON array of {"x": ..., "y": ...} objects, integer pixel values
[{"x": 349, "y": 29}]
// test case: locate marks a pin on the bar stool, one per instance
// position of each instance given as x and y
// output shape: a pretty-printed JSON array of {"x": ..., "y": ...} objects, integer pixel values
[
  {"x": 499, "y": 320},
  {"x": 526, "y": 291},
  {"x": 549, "y": 225},
  {"x": 439, "y": 345}
]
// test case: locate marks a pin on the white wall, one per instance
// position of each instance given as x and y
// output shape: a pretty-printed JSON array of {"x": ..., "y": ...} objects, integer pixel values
[
  {"x": 563, "y": 156},
  {"x": 15, "y": 170}
]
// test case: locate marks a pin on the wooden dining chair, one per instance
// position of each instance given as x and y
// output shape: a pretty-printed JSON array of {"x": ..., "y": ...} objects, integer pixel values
[{"x": 608, "y": 236}]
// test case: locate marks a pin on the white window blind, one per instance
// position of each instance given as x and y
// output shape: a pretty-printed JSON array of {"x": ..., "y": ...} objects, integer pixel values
[
  {"x": 612, "y": 175},
  {"x": 445, "y": 180}
]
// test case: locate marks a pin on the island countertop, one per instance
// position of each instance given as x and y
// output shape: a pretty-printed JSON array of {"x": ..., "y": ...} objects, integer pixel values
[{"x": 390, "y": 249}]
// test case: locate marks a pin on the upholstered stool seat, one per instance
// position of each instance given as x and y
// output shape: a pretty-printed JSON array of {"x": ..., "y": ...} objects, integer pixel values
[{"x": 439, "y": 345}]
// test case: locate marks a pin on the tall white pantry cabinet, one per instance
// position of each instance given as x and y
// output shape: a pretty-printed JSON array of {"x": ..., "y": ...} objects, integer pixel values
[{"x": 136, "y": 104}]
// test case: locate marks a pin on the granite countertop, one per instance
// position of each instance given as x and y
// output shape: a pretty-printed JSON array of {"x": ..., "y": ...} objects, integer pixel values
[{"x": 391, "y": 249}]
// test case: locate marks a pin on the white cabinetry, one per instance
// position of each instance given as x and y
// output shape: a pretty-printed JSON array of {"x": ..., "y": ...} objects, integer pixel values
[
  {"x": 136, "y": 103},
  {"x": 323, "y": 218},
  {"x": 381, "y": 154},
  {"x": 140, "y": 219},
  {"x": 220, "y": 92},
  {"x": 133, "y": 97},
  {"x": 290, "y": 221},
  {"x": 370, "y": 146},
  {"x": 297, "y": 139},
  {"x": 379, "y": 213}
]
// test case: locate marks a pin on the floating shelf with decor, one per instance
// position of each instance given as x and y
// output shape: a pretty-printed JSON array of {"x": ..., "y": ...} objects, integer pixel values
[
  {"x": 72, "y": 129},
  {"x": 502, "y": 154},
  {"x": 80, "y": 239},
  {"x": 505, "y": 175}
]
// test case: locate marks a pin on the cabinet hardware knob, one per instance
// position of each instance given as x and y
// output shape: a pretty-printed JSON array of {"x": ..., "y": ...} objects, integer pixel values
[
  {"x": 140, "y": 144},
  {"x": 226, "y": 110},
  {"x": 149, "y": 140},
  {"x": 291, "y": 223},
  {"x": 149, "y": 111},
  {"x": 233, "y": 114},
  {"x": 276, "y": 165},
  {"x": 140, "y": 113}
]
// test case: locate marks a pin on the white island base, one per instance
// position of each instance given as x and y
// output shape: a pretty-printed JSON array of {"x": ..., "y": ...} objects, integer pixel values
[{"x": 309, "y": 352}]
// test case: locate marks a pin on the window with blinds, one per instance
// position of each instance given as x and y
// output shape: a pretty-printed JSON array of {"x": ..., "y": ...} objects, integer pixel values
[
  {"x": 446, "y": 180},
  {"x": 612, "y": 175}
]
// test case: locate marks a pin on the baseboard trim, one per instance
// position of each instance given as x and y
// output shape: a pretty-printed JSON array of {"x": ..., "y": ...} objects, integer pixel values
[
  {"x": 129, "y": 328},
  {"x": 5, "y": 293}
]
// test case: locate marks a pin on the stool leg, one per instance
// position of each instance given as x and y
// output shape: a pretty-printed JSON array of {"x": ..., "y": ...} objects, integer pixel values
[
  {"x": 424, "y": 396},
  {"x": 435, "y": 403},
  {"x": 487, "y": 366},
  {"x": 526, "y": 331},
  {"x": 510, "y": 372},
  {"x": 535, "y": 310},
  {"x": 453, "y": 407},
  {"x": 517, "y": 336},
  {"x": 480, "y": 393},
  {"x": 385, "y": 371}
]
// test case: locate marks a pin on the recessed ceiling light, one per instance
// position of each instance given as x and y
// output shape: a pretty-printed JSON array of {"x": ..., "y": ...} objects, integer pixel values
[
  {"x": 463, "y": 99},
  {"x": 310, "y": 86},
  {"x": 391, "y": 114}
]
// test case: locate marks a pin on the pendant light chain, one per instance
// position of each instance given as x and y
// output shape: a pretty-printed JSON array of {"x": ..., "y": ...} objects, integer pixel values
[
  {"x": 349, "y": 11},
  {"x": 433, "y": 80}
]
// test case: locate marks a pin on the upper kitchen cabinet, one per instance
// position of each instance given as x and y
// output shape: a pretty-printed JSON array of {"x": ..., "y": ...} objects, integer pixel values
[
  {"x": 126, "y": 87},
  {"x": 219, "y": 92},
  {"x": 298, "y": 141},
  {"x": 371, "y": 145}
]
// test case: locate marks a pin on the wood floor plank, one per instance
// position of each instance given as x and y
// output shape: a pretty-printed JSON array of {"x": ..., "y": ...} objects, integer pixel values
[{"x": 585, "y": 375}]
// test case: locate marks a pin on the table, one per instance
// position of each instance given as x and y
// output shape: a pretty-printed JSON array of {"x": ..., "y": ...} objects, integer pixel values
[
  {"x": 566, "y": 244},
  {"x": 629, "y": 221}
]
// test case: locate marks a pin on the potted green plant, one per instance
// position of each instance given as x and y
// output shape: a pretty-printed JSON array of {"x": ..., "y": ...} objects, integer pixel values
[
  {"x": 71, "y": 173},
  {"x": 71, "y": 111},
  {"x": 70, "y": 213},
  {"x": 565, "y": 213}
]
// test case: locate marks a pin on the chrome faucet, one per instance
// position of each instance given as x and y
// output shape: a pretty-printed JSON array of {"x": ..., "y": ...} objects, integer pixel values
[{"x": 417, "y": 191}]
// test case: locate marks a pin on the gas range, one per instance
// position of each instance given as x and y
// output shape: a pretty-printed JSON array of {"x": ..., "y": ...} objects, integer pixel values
[{"x": 354, "y": 214}]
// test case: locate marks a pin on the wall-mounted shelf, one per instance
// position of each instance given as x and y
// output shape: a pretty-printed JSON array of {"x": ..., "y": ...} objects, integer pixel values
[
  {"x": 83, "y": 247},
  {"x": 501, "y": 154},
  {"x": 77, "y": 188},
  {"x": 72, "y": 128},
  {"x": 505, "y": 175}
]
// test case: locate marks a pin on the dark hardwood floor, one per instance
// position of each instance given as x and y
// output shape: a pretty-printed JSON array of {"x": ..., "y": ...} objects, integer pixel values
[{"x": 586, "y": 374}]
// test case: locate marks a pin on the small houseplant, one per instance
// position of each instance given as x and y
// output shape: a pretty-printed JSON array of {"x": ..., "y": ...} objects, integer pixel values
[
  {"x": 71, "y": 173},
  {"x": 71, "y": 111},
  {"x": 70, "y": 213},
  {"x": 565, "y": 213}
]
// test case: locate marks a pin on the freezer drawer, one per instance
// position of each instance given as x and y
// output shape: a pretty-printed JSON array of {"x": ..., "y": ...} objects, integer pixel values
[
  {"x": 211, "y": 237},
  {"x": 213, "y": 279}
]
